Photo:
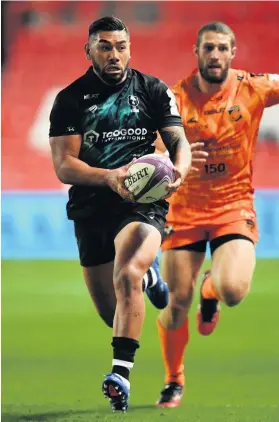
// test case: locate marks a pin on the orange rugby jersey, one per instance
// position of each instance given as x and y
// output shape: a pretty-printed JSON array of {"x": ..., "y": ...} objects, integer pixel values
[{"x": 227, "y": 122}]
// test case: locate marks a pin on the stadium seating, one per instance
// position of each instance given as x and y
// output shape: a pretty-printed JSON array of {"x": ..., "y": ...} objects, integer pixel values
[{"x": 47, "y": 56}]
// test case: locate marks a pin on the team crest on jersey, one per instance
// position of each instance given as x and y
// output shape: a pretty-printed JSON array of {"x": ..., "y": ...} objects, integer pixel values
[
  {"x": 235, "y": 113},
  {"x": 133, "y": 102}
]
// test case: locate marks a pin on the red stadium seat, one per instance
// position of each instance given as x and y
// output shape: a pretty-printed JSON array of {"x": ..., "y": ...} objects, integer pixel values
[{"x": 48, "y": 57}]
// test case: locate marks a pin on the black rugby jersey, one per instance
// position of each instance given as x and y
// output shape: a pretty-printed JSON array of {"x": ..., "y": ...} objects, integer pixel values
[{"x": 116, "y": 122}]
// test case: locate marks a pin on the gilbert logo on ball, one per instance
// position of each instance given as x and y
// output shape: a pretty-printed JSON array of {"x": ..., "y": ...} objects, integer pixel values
[
  {"x": 149, "y": 176},
  {"x": 136, "y": 176}
]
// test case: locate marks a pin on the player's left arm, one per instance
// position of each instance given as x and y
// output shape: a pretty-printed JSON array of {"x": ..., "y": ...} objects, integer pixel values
[
  {"x": 267, "y": 86},
  {"x": 273, "y": 92},
  {"x": 179, "y": 151},
  {"x": 170, "y": 127}
]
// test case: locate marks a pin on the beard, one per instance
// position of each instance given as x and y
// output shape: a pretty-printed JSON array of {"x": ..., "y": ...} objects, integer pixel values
[
  {"x": 110, "y": 79},
  {"x": 210, "y": 77}
]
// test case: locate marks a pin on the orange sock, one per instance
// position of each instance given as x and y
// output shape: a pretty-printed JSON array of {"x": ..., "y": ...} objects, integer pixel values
[
  {"x": 208, "y": 290},
  {"x": 173, "y": 343}
]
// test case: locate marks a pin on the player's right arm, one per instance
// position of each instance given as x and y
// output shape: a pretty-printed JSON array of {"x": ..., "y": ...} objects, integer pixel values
[
  {"x": 69, "y": 168},
  {"x": 65, "y": 150}
]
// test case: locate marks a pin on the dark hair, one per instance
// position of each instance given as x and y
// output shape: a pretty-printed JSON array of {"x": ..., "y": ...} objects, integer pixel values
[
  {"x": 108, "y": 23},
  {"x": 219, "y": 27}
]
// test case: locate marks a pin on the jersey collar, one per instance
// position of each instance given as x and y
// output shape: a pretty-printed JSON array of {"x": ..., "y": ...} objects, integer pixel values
[{"x": 223, "y": 93}]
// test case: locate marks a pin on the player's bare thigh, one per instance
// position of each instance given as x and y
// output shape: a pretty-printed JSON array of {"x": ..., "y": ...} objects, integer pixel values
[
  {"x": 99, "y": 278},
  {"x": 233, "y": 264},
  {"x": 180, "y": 269},
  {"x": 99, "y": 281},
  {"x": 136, "y": 247}
]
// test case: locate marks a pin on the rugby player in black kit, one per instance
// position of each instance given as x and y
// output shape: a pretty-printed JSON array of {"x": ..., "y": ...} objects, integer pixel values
[{"x": 98, "y": 124}]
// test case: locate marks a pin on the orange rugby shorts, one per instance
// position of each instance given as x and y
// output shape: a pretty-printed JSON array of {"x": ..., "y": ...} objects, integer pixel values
[{"x": 176, "y": 236}]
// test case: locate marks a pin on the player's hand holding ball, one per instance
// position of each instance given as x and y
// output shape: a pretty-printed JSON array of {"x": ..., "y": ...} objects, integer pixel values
[
  {"x": 172, "y": 187},
  {"x": 152, "y": 178},
  {"x": 116, "y": 181}
]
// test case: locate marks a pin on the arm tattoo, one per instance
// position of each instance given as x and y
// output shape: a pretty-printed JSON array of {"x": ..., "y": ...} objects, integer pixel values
[{"x": 174, "y": 139}]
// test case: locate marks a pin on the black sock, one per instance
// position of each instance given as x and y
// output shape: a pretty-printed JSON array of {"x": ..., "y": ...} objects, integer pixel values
[{"x": 124, "y": 350}]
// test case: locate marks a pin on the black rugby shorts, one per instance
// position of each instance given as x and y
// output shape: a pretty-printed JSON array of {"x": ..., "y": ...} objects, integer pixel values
[{"x": 95, "y": 235}]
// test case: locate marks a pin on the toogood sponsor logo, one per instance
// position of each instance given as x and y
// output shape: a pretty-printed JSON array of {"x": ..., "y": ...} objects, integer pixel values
[
  {"x": 125, "y": 134},
  {"x": 132, "y": 134},
  {"x": 90, "y": 138}
]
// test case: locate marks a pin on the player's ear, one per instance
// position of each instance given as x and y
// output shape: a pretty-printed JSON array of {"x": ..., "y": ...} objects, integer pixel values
[
  {"x": 195, "y": 49},
  {"x": 234, "y": 49},
  {"x": 87, "y": 51}
]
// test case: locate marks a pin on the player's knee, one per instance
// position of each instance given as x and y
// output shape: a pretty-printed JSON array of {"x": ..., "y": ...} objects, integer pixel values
[
  {"x": 128, "y": 280},
  {"x": 234, "y": 290},
  {"x": 181, "y": 296}
]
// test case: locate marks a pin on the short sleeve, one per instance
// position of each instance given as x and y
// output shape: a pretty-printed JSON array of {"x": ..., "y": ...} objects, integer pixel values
[
  {"x": 64, "y": 116},
  {"x": 267, "y": 87},
  {"x": 166, "y": 111}
]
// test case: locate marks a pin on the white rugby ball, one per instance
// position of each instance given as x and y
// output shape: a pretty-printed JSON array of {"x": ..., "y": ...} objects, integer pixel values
[{"x": 149, "y": 176}]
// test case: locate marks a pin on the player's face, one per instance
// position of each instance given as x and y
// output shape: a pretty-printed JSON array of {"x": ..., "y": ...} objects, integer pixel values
[
  {"x": 215, "y": 54},
  {"x": 109, "y": 52}
]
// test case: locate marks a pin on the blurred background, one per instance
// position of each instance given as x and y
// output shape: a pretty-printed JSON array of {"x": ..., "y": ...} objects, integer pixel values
[
  {"x": 50, "y": 353},
  {"x": 42, "y": 52}
]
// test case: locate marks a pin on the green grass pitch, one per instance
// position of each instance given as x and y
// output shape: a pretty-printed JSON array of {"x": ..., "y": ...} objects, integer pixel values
[{"x": 55, "y": 351}]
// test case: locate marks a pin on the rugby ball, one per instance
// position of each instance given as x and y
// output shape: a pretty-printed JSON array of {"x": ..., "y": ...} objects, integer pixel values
[{"x": 148, "y": 177}]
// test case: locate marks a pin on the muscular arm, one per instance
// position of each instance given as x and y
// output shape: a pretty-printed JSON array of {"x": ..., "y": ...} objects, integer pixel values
[
  {"x": 160, "y": 147},
  {"x": 69, "y": 169},
  {"x": 73, "y": 171},
  {"x": 179, "y": 149}
]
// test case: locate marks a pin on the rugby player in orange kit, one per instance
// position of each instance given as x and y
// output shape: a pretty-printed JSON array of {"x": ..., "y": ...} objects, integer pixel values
[{"x": 221, "y": 108}]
